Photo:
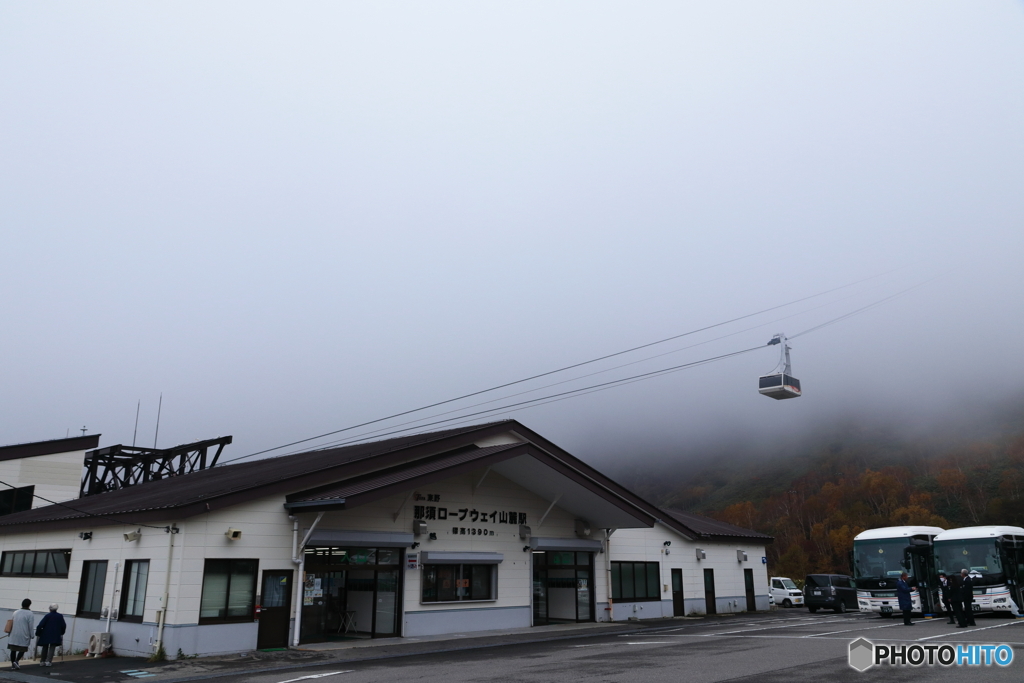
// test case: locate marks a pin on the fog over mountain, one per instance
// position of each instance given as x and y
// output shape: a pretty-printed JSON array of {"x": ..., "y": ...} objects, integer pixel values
[{"x": 292, "y": 219}]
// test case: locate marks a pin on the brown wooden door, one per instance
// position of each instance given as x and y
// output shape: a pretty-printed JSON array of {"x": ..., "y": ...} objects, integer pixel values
[
  {"x": 678, "y": 603},
  {"x": 711, "y": 607},
  {"x": 275, "y": 603},
  {"x": 748, "y": 582}
]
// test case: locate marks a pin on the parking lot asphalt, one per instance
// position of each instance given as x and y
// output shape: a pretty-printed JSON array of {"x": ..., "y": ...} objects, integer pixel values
[{"x": 788, "y": 645}]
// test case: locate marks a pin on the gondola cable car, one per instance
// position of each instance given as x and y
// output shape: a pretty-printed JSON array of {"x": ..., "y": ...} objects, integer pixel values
[{"x": 780, "y": 383}]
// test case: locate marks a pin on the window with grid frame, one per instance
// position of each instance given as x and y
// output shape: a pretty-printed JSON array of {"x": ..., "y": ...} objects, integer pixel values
[
  {"x": 90, "y": 592},
  {"x": 133, "y": 590},
  {"x": 637, "y": 581},
  {"x": 49, "y": 564},
  {"x": 229, "y": 591},
  {"x": 458, "y": 582}
]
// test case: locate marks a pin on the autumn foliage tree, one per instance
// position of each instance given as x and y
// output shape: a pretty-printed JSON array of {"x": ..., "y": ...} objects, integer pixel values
[{"x": 813, "y": 516}]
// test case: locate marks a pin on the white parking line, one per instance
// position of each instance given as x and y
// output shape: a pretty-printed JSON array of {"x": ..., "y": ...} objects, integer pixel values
[
  {"x": 851, "y": 630},
  {"x": 975, "y": 630},
  {"x": 325, "y": 675},
  {"x": 800, "y": 621},
  {"x": 804, "y": 622}
]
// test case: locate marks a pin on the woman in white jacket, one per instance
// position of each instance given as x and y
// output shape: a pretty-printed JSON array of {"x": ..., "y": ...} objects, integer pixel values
[{"x": 21, "y": 633}]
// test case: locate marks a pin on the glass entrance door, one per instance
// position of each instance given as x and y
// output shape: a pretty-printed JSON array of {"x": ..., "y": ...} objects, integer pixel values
[
  {"x": 562, "y": 587},
  {"x": 351, "y": 593},
  {"x": 385, "y": 616}
]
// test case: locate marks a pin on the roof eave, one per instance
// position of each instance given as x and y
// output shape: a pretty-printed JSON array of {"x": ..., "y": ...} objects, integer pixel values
[{"x": 316, "y": 505}]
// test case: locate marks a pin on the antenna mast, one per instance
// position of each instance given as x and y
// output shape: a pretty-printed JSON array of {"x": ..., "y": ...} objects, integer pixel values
[{"x": 158, "y": 408}]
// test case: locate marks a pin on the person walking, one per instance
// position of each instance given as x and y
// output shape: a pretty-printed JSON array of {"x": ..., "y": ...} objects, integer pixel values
[
  {"x": 945, "y": 590},
  {"x": 967, "y": 597},
  {"x": 903, "y": 594},
  {"x": 21, "y": 633},
  {"x": 50, "y": 634}
]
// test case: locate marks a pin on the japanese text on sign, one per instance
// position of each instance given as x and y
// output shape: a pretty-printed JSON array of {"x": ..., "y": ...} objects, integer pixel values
[{"x": 466, "y": 514}]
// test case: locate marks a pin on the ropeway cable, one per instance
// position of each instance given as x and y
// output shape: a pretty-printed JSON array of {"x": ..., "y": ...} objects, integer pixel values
[
  {"x": 364, "y": 435},
  {"x": 864, "y": 308},
  {"x": 562, "y": 369},
  {"x": 567, "y": 394},
  {"x": 554, "y": 398}
]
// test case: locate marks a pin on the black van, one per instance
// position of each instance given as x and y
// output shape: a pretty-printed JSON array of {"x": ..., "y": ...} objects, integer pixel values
[{"x": 829, "y": 591}]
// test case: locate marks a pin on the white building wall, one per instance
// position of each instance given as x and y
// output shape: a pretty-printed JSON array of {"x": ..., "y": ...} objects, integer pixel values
[
  {"x": 56, "y": 476},
  {"x": 512, "y": 607},
  {"x": 267, "y": 536},
  {"x": 647, "y": 545}
]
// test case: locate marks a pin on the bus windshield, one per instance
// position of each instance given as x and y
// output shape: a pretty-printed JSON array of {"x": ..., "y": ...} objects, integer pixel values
[
  {"x": 880, "y": 558},
  {"x": 978, "y": 556}
]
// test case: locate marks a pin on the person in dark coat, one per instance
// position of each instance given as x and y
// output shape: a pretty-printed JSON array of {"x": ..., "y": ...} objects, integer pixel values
[
  {"x": 903, "y": 594},
  {"x": 945, "y": 592},
  {"x": 967, "y": 597},
  {"x": 50, "y": 634},
  {"x": 954, "y": 596}
]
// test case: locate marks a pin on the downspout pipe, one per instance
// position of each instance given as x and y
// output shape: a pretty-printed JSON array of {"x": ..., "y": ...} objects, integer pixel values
[
  {"x": 113, "y": 596},
  {"x": 299, "y": 558},
  {"x": 171, "y": 533},
  {"x": 608, "y": 566}
]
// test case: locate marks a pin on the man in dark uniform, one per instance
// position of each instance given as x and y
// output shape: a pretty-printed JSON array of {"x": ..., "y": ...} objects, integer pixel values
[
  {"x": 967, "y": 597},
  {"x": 945, "y": 589},
  {"x": 903, "y": 594},
  {"x": 954, "y": 596}
]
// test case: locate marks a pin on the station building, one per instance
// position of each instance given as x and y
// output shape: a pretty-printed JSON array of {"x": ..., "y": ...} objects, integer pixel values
[{"x": 469, "y": 529}]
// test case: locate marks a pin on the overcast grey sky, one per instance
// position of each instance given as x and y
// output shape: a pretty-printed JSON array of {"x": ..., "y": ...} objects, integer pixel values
[{"x": 290, "y": 218}]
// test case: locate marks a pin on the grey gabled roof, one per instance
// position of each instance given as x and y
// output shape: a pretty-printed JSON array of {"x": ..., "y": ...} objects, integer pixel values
[
  {"x": 229, "y": 484},
  {"x": 350, "y": 490},
  {"x": 699, "y": 526},
  {"x": 350, "y": 474},
  {"x": 346, "y": 476}
]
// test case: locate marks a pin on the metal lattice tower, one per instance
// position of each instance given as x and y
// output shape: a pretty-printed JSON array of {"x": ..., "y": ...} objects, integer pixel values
[{"x": 117, "y": 467}]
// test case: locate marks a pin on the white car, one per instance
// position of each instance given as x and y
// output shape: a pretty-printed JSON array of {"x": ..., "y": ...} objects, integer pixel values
[{"x": 785, "y": 592}]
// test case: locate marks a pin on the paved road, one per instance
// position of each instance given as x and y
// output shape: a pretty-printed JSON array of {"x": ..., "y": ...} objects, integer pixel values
[
  {"x": 785, "y": 647},
  {"x": 789, "y": 648}
]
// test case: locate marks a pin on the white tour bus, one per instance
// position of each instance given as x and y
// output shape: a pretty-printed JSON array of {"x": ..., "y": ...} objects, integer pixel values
[
  {"x": 881, "y": 555},
  {"x": 994, "y": 557}
]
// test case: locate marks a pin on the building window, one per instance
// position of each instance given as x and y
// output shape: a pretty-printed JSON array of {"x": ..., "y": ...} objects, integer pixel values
[
  {"x": 133, "y": 591},
  {"x": 229, "y": 591},
  {"x": 16, "y": 500},
  {"x": 90, "y": 592},
  {"x": 459, "y": 582},
  {"x": 50, "y": 564},
  {"x": 636, "y": 581}
]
